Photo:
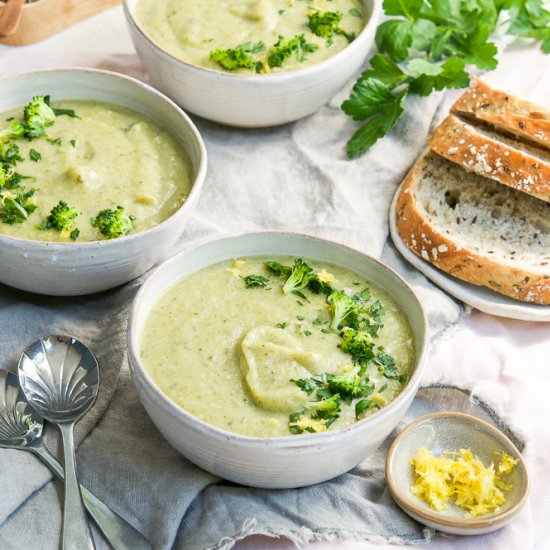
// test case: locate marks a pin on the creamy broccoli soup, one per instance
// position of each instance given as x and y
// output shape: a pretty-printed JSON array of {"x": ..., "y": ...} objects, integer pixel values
[
  {"x": 278, "y": 348},
  {"x": 89, "y": 171},
  {"x": 258, "y": 36}
]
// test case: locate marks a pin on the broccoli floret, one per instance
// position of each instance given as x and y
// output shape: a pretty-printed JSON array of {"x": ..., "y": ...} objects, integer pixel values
[
  {"x": 61, "y": 217},
  {"x": 239, "y": 58},
  {"x": 284, "y": 48},
  {"x": 326, "y": 409},
  {"x": 38, "y": 115},
  {"x": 345, "y": 310},
  {"x": 300, "y": 276},
  {"x": 350, "y": 385},
  {"x": 359, "y": 344},
  {"x": 113, "y": 223},
  {"x": 278, "y": 268},
  {"x": 13, "y": 131},
  {"x": 325, "y": 24},
  {"x": 321, "y": 415}
]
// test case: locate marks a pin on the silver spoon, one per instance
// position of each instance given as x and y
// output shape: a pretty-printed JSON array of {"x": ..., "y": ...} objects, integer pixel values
[
  {"x": 60, "y": 379},
  {"x": 21, "y": 428}
]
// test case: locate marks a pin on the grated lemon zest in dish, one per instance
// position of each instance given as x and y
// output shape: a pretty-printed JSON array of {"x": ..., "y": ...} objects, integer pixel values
[{"x": 475, "y": 488}]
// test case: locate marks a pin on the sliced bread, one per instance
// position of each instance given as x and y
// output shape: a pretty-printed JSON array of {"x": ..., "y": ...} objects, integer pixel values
[
  {"x": 503, "y": 159},
  {"x": 506, "y": 113},
  {"x": 476, "y": 229}
]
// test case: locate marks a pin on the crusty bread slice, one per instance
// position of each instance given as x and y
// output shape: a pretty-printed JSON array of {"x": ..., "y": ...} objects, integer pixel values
[
  {"x": 506, "y": 160},
  {"x": 476, "y": 229},
  {"x": 509, "y": 114}
]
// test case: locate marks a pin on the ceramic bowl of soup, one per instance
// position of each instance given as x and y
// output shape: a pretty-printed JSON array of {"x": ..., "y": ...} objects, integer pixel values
[
  {"x": 277, "y": 71},
  {"x": 263, "y": 381},
  {"x": 97, "y": 186}
]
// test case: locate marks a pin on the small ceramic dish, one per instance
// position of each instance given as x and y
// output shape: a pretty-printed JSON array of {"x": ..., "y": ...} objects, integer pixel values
[
  {"x": 279, "y": 462},
  {"x": 75, "y": 268},
  {"x": 484, "y": 299},
  {"x": 454, "y": 431},
  {"x": 256, "y": 100}
]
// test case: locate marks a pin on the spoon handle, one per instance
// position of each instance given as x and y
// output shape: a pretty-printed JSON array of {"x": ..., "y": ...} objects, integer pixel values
[
  {"x": 76, "y": 531},
  {"x": 118, "y": 532}
]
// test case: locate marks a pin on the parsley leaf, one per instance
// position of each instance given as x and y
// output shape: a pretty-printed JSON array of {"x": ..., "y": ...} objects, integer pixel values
[
  {"x": 255, "y": 281},
  {"x": 377, "y": 126},
  {"x": 35, "y": 155},
  {"x": 428, "y": 46}
]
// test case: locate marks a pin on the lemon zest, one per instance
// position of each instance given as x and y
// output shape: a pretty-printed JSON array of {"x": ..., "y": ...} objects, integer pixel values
[{"x": 461, "y": 476}]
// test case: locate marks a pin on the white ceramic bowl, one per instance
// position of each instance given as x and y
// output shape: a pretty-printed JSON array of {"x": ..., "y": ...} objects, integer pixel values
[
  {"x": 256, "y": 100},
  {"x": 69, "y": 269},
  {"x": 290, "y": 461}
]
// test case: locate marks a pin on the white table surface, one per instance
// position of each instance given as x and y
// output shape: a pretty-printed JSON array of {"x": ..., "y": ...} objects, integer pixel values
[{"x": 509, "y": 360}]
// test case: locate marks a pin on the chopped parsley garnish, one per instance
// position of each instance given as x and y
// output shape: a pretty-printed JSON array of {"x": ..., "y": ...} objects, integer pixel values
[
  {"x": 73, "y": 143},
  {"x": 255, "y": 281},
  {"x": 35, "y": 155},
  {"x": 281, "y": 325}
]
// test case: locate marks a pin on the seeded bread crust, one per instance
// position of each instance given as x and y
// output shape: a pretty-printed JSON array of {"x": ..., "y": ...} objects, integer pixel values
[
  {"x": 438, "y": 248},
  {"x": 505, "y": 112},
  {"x": 478, "y": 152}
]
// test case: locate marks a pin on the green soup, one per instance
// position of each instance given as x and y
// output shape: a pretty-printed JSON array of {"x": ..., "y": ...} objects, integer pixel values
[
  {"x": 191, "y": 30},
  {"x": 108, "y": 157},
  {"x": 228, "y": 354}
]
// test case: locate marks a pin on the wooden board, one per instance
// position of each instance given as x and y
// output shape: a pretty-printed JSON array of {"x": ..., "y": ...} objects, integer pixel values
[{"x": 43, "y": 18}]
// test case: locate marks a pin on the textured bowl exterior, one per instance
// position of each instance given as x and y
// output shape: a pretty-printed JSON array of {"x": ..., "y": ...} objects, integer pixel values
[
  {"x": 284, "y": 462},
  {"x": 255, "y": 100},
  {"x": 69, "y": 269}
]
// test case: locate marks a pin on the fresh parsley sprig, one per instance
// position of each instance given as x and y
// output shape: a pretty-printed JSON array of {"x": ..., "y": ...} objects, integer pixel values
[{"x": 427, "y": 46}]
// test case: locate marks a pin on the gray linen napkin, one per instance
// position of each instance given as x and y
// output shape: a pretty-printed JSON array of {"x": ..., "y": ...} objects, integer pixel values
[{"x": 293, "y": 177}]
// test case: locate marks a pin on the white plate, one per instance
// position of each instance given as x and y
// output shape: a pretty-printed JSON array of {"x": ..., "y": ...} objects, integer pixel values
[{"x": 479, "y": 297}]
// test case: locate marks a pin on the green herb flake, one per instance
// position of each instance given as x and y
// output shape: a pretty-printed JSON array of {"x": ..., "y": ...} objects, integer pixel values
[
  {"x": 35, "y": 155},
  {"x": 73, "y": 143},
  {"x": 255, "y": 281},
  {"x": 282, "y": 325},
  {"x": 355, "y": 13}
]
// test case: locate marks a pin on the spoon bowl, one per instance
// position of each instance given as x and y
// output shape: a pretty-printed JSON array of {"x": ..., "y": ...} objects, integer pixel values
[
  {"x": 60, "y": 379},
  {"x": 20, "y": 425}
]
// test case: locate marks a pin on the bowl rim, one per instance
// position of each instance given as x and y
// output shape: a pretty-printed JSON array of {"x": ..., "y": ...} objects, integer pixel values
[
  {"x": 281, "y": 76},
  {"x": 305, "y": 439},
  {"x": 193, "y": 193},
  {"x": 435, "y": 517}
]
